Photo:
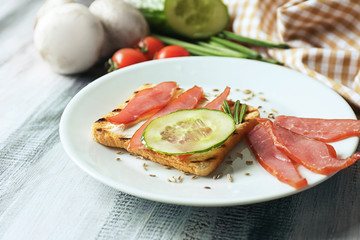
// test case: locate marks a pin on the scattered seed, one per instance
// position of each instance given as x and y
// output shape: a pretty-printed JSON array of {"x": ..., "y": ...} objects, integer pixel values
[
  {"x": 262, "y": 99},
  {"x": 274, "y": 110},
  {"x": 229, "y": 177},
  {"x": 194, "y": 177},
  {"x": 239, "y": 154},
  {"x": 215, "y": 90},
  {"x": 260, "y": 93},
  {"x": 145, "y": 166},
  {"x": 167, "y": 167},
  {"x": 217, "y": 176},
  {"x": 152, "y": 175},
  {"x": 229, "y": 162},
  {"x": 247, "y": 174},
  {"x": 247, "y": 91},
  {"x": 236, "y": 89},
  {"x": 118, "y": 159},
  {"x": 172, "y": 179},
  {"x": 180, "y": 179},
  {"x": 207, "y": 187},
  {"x": 259, "y": 107},
  {"x": 249, "y": 162},
  {"x": 186, "y": 173},
  {"x": 120, "y": 152},
  {"x": 271, "y": 115},
  {"x": 229, "y": 157}
]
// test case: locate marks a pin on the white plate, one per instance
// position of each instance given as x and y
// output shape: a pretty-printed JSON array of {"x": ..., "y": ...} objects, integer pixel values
[{"x": 286, "y": 92}]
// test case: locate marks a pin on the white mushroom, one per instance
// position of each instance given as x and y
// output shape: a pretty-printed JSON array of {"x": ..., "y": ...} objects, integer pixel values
[
  {"x": 69, "y": 38},
  {"x": 124, "y": 25},
  {"x": 48, "y": 5}
]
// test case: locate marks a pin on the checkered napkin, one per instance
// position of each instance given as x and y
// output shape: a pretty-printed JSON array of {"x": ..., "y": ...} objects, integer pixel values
[{"x": 324, "y": 36}]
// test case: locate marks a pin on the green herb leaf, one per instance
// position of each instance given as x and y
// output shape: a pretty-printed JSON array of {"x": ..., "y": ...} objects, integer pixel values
[
  {"x": 226, "y": 107},
  {"x": 242, "y": 112},
  {"x": 236, "y": 112}
]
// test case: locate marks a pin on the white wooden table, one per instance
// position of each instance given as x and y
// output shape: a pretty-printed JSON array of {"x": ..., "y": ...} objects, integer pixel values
[{"x": 44, "y": 195}]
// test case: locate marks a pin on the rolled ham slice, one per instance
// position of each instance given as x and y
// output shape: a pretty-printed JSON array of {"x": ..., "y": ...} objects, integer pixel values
[
  {"x": 325, "y": 130},
  {"x": 272, "y": 159},
  {"x": 218, "y": 101},
  {"x": 145, "y": 103},
  {"x": 315, "y": 155}
]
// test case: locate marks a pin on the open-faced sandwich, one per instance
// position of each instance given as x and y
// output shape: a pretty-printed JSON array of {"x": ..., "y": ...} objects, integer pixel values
[{"x": 184, "y": 129}]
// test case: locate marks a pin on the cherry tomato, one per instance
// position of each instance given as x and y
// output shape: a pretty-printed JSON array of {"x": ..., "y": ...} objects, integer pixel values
[
  {"x": 126, "y": 57},
  {"x": 150, "y": 46},
  {"x": 172, "y": 51}
]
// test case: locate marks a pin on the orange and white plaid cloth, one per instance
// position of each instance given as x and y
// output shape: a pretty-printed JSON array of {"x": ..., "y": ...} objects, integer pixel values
[{"x": 324, "y": 36}]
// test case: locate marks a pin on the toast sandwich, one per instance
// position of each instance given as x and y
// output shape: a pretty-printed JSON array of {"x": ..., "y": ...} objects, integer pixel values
[{"x": 201, "y": 164}]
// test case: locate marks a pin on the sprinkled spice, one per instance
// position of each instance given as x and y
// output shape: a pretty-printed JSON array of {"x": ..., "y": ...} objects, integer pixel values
[
  {"x": 180, "y": 179},
  {"x": 262, "y": 99},
  {"x": 229, "y": 177},
  {"x": 271, "y": 115},
  {"x": 145, "y": 166},
  {"x": 217, "y": 176}
]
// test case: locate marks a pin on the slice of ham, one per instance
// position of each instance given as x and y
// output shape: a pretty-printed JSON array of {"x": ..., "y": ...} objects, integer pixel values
[
  {"x": 187, "y": 100},
  {"x": 272, "y": 159},
  {"x": 315, "y": 155},
  {"x": 325, "y": 130},
  {"x": 218, "y": 101},
  {"x": 145, "y": 103}
]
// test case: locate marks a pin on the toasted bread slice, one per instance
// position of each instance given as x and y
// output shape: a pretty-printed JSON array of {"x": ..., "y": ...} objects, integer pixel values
[{"x": 201, "y": 164}]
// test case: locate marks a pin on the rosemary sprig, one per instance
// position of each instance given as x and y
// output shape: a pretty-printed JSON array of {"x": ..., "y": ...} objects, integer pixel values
[
  {"x": 238, "y": 112},
  {"x": 226, "y": 107},
  {"x": 242, "y": 112}
]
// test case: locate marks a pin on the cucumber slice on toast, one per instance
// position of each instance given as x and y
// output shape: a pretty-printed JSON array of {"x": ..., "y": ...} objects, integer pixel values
[{"x": 188, "y": 131}]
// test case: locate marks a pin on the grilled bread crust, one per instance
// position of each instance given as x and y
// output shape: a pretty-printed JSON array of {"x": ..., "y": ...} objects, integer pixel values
[{"x": 201, "y": 164}]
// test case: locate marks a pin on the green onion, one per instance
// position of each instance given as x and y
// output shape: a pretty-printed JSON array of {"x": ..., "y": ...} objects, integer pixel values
[
  {"x": 195, "y": 49},
  {"x": 251, "y": 41},
  {"x": 216, "y": 47},
  {"x": 247, "y": 51},
  {"x": 221, "y": 48}
]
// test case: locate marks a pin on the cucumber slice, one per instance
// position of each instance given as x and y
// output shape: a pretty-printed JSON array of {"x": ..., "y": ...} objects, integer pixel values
[
  {"x": 196, "y": 18},
  {"x": 188, "y": 131},
  {"x": 193, "y": 19}
]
